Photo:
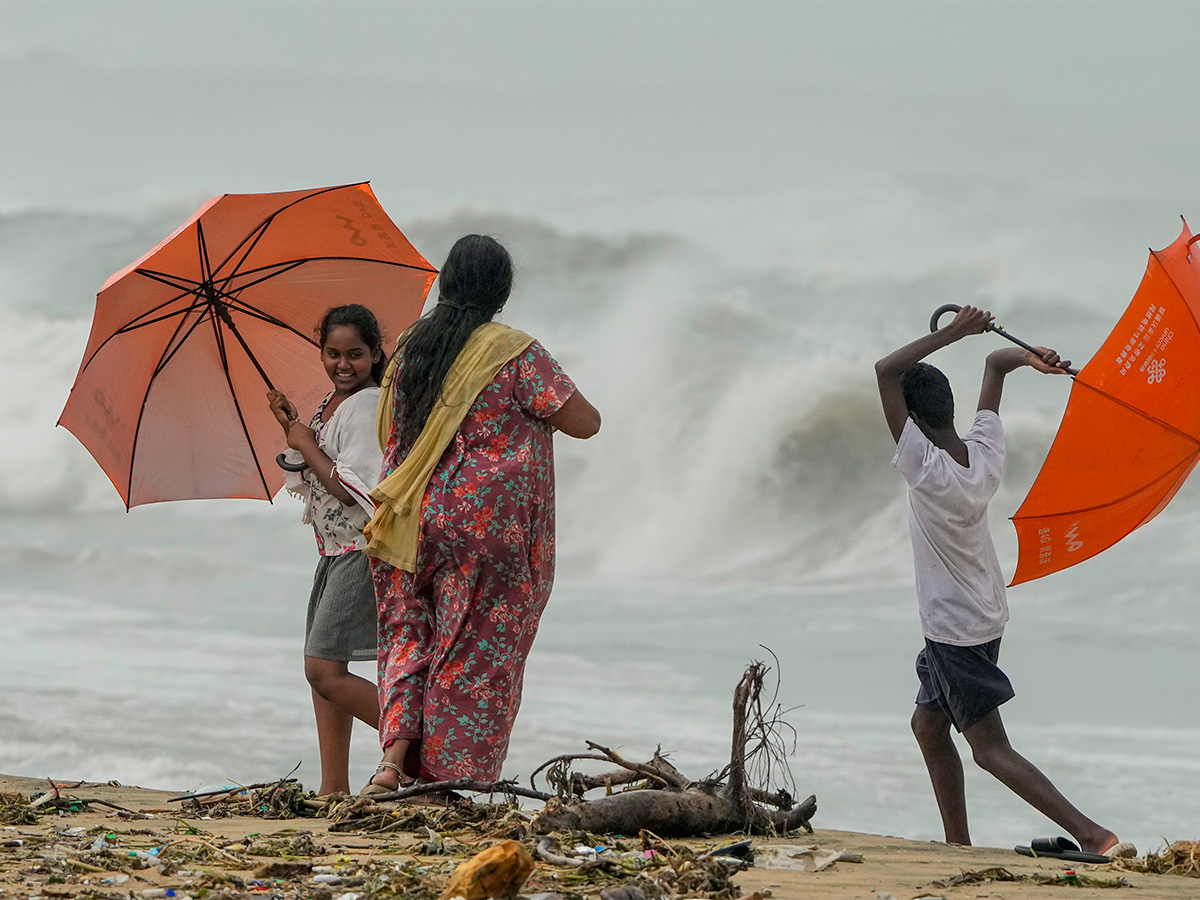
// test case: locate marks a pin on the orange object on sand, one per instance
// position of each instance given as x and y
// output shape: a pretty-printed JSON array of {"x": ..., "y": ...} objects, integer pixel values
[
  {"x": 1131, "y": 432},
  {"x": 170, "y": 398}
]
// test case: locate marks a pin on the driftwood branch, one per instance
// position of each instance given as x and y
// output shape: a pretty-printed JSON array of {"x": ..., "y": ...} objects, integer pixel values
[
  {"x": 565, "y": 758},
  {"x": 798, "y": 817},
  {"x": 680, "y": 807},
  {"x": 667, "y": 776},
  {"x": 463, "y": 784}
]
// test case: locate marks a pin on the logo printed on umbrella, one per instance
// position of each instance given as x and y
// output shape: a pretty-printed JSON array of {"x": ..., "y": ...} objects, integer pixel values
[
  {"x": 106, "y": 406},
  {"x": 1072, "y": 536},
  {"x": 356, "y": 239},
  {"x": 1157, "y": 370}
]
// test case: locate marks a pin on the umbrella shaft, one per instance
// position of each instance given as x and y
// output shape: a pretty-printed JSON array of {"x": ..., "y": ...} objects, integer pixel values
[{"x": 222, "y": 312}]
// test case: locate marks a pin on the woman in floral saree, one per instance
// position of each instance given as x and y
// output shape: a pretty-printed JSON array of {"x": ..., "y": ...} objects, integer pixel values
[{"x": 463, "y": 537}]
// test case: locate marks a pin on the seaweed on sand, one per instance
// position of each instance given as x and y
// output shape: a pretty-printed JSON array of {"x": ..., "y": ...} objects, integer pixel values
[
  {"x": 15, "y": 810},
  {"x": 1177, "y": 858}
]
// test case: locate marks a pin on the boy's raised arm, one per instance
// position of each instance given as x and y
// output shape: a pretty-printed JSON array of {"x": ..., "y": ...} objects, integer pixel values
[
  {"x": 968, "y": 320},
  {"x": 1001, "y": 362}
]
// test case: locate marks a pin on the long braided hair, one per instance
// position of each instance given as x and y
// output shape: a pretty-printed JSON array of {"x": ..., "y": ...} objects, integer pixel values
[{"x": 473, "y": 286}]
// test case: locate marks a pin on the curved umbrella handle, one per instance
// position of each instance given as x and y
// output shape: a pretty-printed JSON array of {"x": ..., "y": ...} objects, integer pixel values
[
  {"x": 282, "y": 461},
  {"x": 999, "y": 329}
]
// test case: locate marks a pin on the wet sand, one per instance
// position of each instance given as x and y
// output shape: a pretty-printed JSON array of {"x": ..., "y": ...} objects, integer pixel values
[{"x": 41, "y": 866}]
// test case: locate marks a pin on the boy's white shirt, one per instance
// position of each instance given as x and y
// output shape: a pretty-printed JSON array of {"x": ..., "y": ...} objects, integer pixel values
[{"x": 960, "y": 588}]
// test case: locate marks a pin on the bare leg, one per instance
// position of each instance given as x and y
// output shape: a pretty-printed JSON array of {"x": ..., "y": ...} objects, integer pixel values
[
  {"x": 333, "y": 680},
  {"x": 992, "y": 751},
  {"x": 931, "y": 727},
  {"x": 338, "y": 698},
  {"x": 333, "y": 739}
]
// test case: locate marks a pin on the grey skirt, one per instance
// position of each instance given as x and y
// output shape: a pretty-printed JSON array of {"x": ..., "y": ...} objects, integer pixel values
[{"x": 342, "y": 619}]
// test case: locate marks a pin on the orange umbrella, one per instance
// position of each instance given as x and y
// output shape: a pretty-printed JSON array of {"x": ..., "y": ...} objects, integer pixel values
[
  {"x": 170, "y": 396},
  {"x": 1131, "y": 432}
]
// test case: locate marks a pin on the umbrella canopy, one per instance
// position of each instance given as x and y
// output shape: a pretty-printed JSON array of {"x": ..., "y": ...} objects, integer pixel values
[
  {"x": 1131, "y": 432},
  {"x": 170, "y": 398}
]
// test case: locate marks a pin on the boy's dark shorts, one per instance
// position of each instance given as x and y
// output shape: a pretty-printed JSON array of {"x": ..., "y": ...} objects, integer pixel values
[{"x": 963, "y": 682}]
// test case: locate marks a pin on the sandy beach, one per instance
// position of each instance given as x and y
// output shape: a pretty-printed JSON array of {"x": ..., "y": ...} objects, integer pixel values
[{"x": 94, "y": 852}]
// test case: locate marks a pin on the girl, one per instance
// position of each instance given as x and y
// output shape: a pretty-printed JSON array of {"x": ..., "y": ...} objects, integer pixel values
[
  {"x": 342, "y": 464},
  {"x": 463, "y": 537}
]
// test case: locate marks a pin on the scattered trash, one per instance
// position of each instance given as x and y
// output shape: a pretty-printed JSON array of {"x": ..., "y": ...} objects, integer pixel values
[
  {"x": 282, "y": 869},
  {"x": 804, "y": 859},
  {"x": 499, "y": 871}
]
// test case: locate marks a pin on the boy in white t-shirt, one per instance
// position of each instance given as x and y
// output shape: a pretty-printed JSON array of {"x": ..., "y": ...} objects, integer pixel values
[{"x": 960, "y": 589}]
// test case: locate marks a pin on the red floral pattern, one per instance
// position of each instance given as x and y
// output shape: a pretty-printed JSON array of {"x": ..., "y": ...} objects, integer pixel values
[{"x": 454, "y": 635}]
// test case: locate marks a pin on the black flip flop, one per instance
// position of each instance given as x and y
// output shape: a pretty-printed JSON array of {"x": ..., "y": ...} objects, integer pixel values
[{"x": 1060, "y": 848}]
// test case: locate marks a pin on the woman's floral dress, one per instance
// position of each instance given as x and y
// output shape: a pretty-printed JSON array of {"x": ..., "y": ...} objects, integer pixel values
[{"x": 453, "y": 636}]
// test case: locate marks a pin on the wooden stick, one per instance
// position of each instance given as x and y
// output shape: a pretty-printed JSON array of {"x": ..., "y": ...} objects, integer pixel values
[{"x": 465, "y": 784}]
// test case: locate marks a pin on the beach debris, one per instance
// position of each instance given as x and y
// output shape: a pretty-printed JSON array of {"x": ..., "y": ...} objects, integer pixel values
[
  {"x": 999, "y": 873},
  {"x": 284, "y": 798},
  {"x": 499, "y": 871},
  {"x": 624, "y": 892},
  {"x": 287, "y": 845},
  {"x": 804, "y": 859},
  {"x": 657, "y": 797},
  {"x": 1123, "y": 850},
  {"x": 15, "y": 810},
  {"x": 229, "y": 790},
  {"x": 653, "y": 795},
  {"x": 1176, "y": 858}
]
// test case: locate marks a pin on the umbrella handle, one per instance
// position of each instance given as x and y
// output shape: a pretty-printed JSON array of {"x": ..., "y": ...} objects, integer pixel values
[
  {"x": 994, "y": 326},
  {"x": 282, "y": 461}
]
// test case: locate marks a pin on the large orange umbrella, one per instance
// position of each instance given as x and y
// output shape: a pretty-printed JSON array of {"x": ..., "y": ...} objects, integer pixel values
[
  {"x": 1131, "y": 432},
  {"x": 170, "y": 398}
]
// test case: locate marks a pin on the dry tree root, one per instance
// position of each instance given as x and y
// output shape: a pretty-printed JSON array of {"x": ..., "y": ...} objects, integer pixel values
[{"x": 672, "y": 805}]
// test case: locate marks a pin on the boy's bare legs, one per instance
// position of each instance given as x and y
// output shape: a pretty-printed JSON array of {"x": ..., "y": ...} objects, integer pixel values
[
  {"x": 931, "y": 727},
  {"x": 338, "y": 698},
  {"x": 992, "y": 751}
]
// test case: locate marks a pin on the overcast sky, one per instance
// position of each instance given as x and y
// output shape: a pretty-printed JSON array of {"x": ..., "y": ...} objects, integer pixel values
[
  {"x": 1098, "y": 52},
  {"x": 813, "y": 115}
]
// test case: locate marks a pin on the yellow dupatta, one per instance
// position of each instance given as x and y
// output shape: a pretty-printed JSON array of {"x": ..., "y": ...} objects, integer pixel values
[{"x": 394, "y": 531}]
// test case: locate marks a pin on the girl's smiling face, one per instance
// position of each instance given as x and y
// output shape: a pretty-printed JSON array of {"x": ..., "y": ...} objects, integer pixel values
[{"x": 347, "y": 359}]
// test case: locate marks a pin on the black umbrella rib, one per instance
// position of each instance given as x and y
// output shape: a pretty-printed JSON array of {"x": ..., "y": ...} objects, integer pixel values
[
  {"x": 167, "y": 357},
  {"x": 137, "y": 431},
  {"x": 138, "y": 321},
  {"x": 228, "y": 320},
  {"x": 257, "y": 232},
  {"x": 220, "y": 338},
  {"x": 280, "y": 269},
  {"x": 253, "y": 238},
  {"x": 1142, "y": 413},
  {"x": 125, "y": 329},
  {"x": 202, "y": 248},
  {"x": 240, "y": 306},
  {"x": 362, "y": 259},
  {"x": 1111, "y": 503},
  {"x": 186, "y": 285}
]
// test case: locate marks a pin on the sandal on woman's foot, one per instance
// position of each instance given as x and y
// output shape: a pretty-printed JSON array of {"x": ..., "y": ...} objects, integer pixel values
[{"x": 372, "y": 788}]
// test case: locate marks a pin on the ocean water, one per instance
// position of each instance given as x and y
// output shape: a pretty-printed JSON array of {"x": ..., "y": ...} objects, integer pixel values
[{"x": 722, "y": 307}]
